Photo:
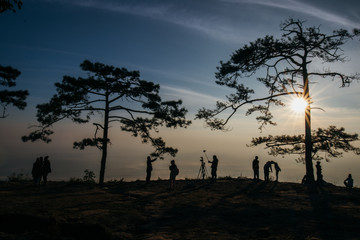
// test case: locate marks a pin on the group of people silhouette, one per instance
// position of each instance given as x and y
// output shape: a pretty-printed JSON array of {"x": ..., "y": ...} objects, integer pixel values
[
  {"x": 267, "y": 169},
  {"x": 40, "y": 170},
  {"x": 348, "y": 182},
  {"x": 174, "y": 171},
  {"x": 42, "y": 167}
]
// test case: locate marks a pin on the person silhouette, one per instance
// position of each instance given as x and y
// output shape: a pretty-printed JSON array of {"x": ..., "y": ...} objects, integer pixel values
[
  {"x": 37, "y": 170},
  {"x": 349, "y": 182},
  {"x": 277, "y": 170},
  {"x": 255, "y": 166},
  {"x": 149, "y": 168},
  {"x": 174, "y": 171},
  {"x": 214, "y": 165},
  {"x": 267, "y": 170},
  {"x": 319, "y": 172},
  {"x": 46, "y": 169},
  {"x": 34, "y": 171}
]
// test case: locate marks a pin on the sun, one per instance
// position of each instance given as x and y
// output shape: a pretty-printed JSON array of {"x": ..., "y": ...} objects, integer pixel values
[{"x": 298, "y": 105}]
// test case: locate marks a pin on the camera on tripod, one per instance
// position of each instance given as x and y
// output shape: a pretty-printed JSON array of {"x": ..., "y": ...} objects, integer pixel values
[{"x": 203, "y": 174}]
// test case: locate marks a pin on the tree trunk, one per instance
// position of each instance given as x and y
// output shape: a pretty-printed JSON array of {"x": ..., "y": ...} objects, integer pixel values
[
  {"x": 308, "y": 141},
  {"x": 105, "y": 141}
]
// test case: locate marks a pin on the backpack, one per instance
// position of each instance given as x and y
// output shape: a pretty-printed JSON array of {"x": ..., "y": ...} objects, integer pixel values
[{"x": 177, "y": 171}]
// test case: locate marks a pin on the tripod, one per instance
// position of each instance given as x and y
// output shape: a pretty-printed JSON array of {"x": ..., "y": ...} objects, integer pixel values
[{"x": 202, "y": 171}]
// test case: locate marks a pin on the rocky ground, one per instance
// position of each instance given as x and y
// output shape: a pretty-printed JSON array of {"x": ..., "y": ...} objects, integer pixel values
[{"x": 226, "y": 209}]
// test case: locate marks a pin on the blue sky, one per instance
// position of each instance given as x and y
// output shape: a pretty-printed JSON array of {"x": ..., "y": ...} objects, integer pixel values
[{"x": 177, "y": 44}]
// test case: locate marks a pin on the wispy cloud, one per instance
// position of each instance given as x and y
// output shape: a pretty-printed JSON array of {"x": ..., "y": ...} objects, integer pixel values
[
  {"x": 176, "y": 76},
  {"x": 175, "y": 12},
  {"x": 303, "y": 8},
  {"x": 207, "y": 20},
  {"x": 189, "y": 94},
  {"x": 190, "y": 98}
]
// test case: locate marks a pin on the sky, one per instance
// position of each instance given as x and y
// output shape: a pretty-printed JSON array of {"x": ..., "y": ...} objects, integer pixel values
[{"x": 177, "y": 44}]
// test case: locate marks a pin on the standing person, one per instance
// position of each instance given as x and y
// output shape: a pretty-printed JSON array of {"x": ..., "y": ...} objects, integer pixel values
[
  {"x": 37, "y": 170},
  {"x": 174, "y": 171},
  {"x": 277, "y": 170},
  {"x": 267, "y": 170},
  {"x": 319, "y": 172},
  {"x": 46, "y": 169},
  {"x": 149, "y": 168},
  {"x": 349, "y": 182},
  {"x": 214, "y": 165},
  {"x": 255, "y": 166}
]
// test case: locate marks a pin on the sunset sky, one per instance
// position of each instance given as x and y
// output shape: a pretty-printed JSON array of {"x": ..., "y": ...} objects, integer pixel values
[{"x": 177, "y": 44}]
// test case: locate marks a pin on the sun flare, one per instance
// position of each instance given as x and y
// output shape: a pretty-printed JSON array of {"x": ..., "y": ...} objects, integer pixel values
[{"x": 298, "y": 105}]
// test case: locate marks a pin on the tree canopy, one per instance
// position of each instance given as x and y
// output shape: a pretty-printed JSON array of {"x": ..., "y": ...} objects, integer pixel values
[
  {"x": 286, "y": 64},
  {"x": 118, "y": 96},
  {"x": 327, "y": 144},
  {"x": 15, "y": 98},
  {"x": 6, "y": 5}
]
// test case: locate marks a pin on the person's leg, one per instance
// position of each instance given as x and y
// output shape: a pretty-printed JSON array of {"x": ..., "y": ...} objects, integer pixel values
[
  {"x": 148, "y": 176},
  {"x": 45, "y": 178},
  {"x": 171, "y": 183}
]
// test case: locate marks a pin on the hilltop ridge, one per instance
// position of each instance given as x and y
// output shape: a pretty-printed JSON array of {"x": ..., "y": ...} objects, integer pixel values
[{"x": 226, "y": 209}]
